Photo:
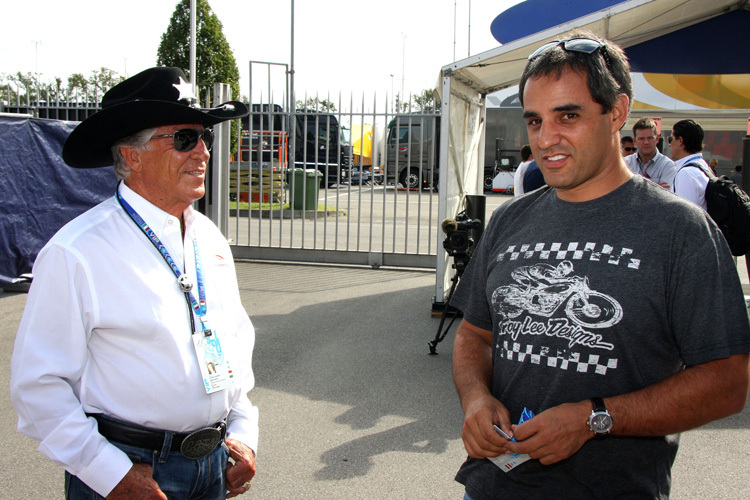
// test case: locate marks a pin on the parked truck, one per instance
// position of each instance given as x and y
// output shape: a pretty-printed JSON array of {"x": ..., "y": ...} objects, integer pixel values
[
  {"x": 412, "y": 147},
  {"x": 317, "y": 141}
]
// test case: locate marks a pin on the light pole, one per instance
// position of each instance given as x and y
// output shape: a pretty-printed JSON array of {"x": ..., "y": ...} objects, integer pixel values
[
  {"x": 469, "y": 51},
  {"x": 454, "y": 29},
  {"x": 403, "y": 65},
  {"x": 36, "y": 60},
  {"x": 192, "y": 61},
  {"x": 392, "y": 98},
  {"x": 291, "y": 95}
]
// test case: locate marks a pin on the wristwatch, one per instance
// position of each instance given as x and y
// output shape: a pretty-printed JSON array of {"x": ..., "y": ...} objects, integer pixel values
[{"x": 600, "y": 421}]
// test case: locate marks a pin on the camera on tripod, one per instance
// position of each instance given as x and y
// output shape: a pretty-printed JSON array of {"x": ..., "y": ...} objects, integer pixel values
[
  {"x": 459, "y": 241},
  {"x": 463, "y": 232},
  {"x": 462, "y": 236}
]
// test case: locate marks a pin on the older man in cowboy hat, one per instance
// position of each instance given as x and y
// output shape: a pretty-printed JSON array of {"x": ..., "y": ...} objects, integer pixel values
[{"x": 133, "y": 356}]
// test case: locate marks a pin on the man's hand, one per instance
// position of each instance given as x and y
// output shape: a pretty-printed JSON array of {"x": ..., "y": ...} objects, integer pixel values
[
  {"x": 472, "y": 374},
  {"x": 242, "y": 470},
  {"x": 555, "y": 434},
  {"x": 138, "y": 484},
  {"x": 480, "y": 438}
]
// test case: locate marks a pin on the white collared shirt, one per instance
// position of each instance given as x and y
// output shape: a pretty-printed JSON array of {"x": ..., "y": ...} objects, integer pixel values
[
  {"x": 691, "y": 182},
  {"x": 107, "y": 330},
  {"x": 518, "y": 178},
  {"x": 658, "y": 169}
]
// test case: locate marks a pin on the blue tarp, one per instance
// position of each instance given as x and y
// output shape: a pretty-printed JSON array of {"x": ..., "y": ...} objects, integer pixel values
[{"x": 39, "y": 193}]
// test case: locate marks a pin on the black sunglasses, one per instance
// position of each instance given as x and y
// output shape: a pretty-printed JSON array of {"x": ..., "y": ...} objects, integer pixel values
[
  {"x": 581, "y": 45},
  {"x": 186, "y": 139},
  {"x": 629, "y": 150}
]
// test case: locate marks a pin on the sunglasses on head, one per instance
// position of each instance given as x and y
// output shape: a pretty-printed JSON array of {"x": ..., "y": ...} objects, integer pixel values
[
  {"x": 581, "y": 45},
  {"x": 186, "y": 139}
]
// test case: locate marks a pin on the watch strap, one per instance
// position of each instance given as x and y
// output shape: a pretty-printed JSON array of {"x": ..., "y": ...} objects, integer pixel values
[
  {"x": 598, "y": 404},
  {"x": 598, "y": 408}
]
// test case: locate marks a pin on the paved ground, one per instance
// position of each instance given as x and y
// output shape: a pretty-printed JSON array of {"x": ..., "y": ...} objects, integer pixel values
[{"x": 352, "y": 406}]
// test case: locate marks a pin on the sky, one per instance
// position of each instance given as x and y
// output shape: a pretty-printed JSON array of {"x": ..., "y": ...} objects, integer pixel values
[{"x": 353, "y": 49}]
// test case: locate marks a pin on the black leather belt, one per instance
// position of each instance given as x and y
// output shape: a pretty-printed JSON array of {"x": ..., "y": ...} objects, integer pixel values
[{"x": 193, "y": 445}]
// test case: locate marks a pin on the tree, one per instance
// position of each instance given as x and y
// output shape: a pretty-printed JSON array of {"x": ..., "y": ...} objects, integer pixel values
[
  {"x": 401, "y": 106},
  {"x": 94, "y": 87},
  {"x": 77, "y": 82},
  {"x": 315, "y": 104},
  {"x": 426, "y": 100},
  {"x": 7, "y": 92},
  {"x": 28, "y": 87},
  {"x": 104, "y": 79},
  {"x": 214, "y": 58}
]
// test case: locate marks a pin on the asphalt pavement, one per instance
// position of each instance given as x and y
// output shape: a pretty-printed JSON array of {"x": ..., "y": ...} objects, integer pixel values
[{"x": 352, "y": 405}]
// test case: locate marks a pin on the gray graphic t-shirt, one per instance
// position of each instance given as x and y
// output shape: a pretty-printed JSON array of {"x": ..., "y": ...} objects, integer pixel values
[{"x": 597, "y": 299}]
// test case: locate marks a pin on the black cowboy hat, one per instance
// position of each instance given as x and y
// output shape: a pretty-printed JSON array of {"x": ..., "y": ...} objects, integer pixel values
[{"x": 152, "y": 98}]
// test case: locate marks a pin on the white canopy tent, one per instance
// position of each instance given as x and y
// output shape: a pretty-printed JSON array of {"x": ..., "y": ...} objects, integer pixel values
[{"x": 466, "y": 83}]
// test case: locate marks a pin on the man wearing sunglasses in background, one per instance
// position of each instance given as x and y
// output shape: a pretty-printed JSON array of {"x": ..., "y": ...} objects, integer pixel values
[
  {"x": 133, "y": 357},
  {"x": 648, "y": 161},
  {"x": 582, "y": 339},
  {"x": 627, "y": 147}
]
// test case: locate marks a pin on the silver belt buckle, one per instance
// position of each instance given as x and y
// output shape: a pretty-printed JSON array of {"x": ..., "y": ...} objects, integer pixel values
[{"x": 200, "y": 443}]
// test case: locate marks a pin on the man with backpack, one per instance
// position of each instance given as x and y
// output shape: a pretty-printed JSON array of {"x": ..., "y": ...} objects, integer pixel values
[
  {"x": 686, "y": 144},
  {"x": 726, "y": 203}
]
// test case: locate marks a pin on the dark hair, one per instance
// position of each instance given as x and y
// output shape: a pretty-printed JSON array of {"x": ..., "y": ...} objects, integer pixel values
[
  {"x": 607, "y": 70},
  {"x": 738, "y": 168},
  {"x": 691, "y": 133},
  {"x": 645, "y": 123},
  {"x": 624, "y": 139},
  {"x": 525, "y": 152}
]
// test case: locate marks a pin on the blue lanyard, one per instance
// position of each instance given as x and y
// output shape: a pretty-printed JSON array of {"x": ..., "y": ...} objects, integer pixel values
[{"x": 199, "y": 306}]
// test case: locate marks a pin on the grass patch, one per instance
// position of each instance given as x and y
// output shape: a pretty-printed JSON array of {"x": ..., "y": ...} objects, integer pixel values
[{"x": 244, "y": 205}]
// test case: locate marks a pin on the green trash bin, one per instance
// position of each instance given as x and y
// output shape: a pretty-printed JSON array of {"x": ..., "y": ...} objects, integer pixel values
[{"x": 306, "y": 183}]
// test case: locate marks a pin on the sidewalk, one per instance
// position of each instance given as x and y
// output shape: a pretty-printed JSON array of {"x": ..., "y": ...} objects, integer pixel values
[{"x": 352, "y": 405}]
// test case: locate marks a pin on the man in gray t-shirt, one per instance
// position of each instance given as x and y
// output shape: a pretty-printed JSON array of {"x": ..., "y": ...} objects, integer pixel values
[{"x": 587, "y": 315}]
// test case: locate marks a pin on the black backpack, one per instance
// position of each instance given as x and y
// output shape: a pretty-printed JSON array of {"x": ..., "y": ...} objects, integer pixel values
[{"x": 729, "y": 207}]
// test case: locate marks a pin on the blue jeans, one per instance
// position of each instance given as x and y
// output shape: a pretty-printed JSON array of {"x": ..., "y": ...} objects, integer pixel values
[
  {"x": 178, "y": 477},
  {"x": 467, "y": 497}
]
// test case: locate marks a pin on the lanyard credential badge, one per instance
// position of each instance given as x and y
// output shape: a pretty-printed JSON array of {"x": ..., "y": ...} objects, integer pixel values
[{"x": 215, "y": 370}]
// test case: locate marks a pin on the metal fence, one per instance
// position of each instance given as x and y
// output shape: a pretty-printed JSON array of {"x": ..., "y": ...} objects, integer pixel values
[
  {"x": 353, "y": 186},
  {"x": 45, "y": 103},
  {"x": 344, "y": 187}
]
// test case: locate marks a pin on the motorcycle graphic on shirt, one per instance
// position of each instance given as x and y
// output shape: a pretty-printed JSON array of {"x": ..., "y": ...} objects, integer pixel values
[{"x": 543, "y": 289}]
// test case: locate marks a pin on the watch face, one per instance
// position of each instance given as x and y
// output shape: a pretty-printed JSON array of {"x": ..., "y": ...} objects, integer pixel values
[{"x": 601, "y": 422}]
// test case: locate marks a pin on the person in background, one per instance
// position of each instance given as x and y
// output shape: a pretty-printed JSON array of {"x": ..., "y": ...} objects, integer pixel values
[
  {"x": 713, "y": 164},
  {"x": 132, "y": 360},
  {"x": 533, "y": 179},
  {"x": 648, "y": 161},
  {"x": 627, "y": 147},
  {"x": 736, "y": 175},
  {"x": 526, "y": 158},
  {"x": 693, "y": 173},
  {"x": 572, "y": 315}
]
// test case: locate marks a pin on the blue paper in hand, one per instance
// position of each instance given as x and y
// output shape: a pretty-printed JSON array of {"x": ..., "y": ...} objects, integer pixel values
[{"x": 526, "y": 414}]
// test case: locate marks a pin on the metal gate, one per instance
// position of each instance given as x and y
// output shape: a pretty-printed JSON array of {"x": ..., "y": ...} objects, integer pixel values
[
  {"x": 354, "y": 186},
  {"x": 347, "y": 187}
]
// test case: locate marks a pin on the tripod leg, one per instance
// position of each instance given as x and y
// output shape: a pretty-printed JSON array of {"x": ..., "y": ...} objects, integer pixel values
[{"x": 440, "y": 335}]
